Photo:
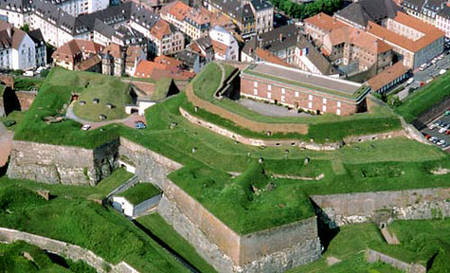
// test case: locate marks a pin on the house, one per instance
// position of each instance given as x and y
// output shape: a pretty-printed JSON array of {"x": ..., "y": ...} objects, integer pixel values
[
  {"x": 194, "y": 61},
  {"x": 389, "y": 78},
  {"x": 17, "y": 48},
  {"x": 137, "y": 200},
  {"x": 75, "y": 52},
  {"x": 281, "y": 42},
  {"x": 224, "y": 44},
  {"x": 251, "y": 17},
  {"x": 40, "y": 47},
  {"x": 77, "y": 7},
  {"x": 163, "y": 67},
  {"x": 310, "y": 59},
  {"x": 303, "y": 90},
  {"x": 165, "y": 39},
  {"x": 320, "y": 25}
]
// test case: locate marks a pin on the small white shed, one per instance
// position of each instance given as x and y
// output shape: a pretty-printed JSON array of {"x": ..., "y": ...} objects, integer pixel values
[{"x": 136, "y": 200}]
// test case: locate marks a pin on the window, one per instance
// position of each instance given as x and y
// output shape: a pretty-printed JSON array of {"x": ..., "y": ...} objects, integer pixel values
[
  {"x": 309, "y": 104},
  {"x": 338, "y": 112},
  {"x": 324, "y": 108},
  {"x": 283, "y": 91},
  {"x": 282, "y": 98},
  {"x": 296, "y": 94},
  {"x": 255, "y": 84},
  {"x": 255, "y": 92},
  {"x": 338, "y": 104},
  {"x": 310, "y": 97},
  {"x": 269, "y": 95},
  {"x": 269, "y": 87},
  {"x": 324, "y": 100}
]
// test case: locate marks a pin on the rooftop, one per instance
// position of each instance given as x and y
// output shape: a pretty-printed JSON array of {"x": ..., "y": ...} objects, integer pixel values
[
  {"x": 324, "y": 22},
  {"x": 139, "y": 193},
  {"x": 293, "y": 76},
  {"x": 388, "y": 75}
]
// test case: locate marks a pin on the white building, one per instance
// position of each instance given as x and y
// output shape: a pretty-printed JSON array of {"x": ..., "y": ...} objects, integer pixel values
[
  {"x": 225, "y": 45},
  {"x": 77, "y": 7},
  {"x": 15, "y": 12},
  {"x": 136, "y": 200},
  {"x": 18, "y": 50},
  {"x": 443, "y": 21}
]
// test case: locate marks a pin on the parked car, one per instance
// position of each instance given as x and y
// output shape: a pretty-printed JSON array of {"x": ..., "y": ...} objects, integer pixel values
[
  {"x": 442, "y": 130},
  {"x": 447, "y": 132},
  {"x": 441, "y": 142},
  {"x": 427, "y": 136},
  {"x": 140, "y": 125},
  {"x": 86, "y": 127}
]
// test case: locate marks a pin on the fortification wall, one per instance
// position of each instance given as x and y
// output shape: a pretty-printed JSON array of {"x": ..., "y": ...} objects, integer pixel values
[
  {"x": 2, "y": 107},
  {"x": 56, "y": 164},
  {"x": 350, "y": 208},
  {"x": 25, "y": 98},
  {"x": 150, "y": 166},
  {"x": 70, "y": 251},
  {"x": 373, "y": 256},
  {"x": 242, "y": 121},
  {"x": 272, "y": 250}
]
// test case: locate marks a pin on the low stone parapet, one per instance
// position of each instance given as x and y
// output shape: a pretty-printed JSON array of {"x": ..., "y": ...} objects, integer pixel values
[{"x": 373, "y": 256}]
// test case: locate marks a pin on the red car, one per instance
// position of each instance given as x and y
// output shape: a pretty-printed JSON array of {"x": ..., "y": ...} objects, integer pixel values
[
  {"x": 427, "y": 136},
  {"x": 447, "y": 132}
]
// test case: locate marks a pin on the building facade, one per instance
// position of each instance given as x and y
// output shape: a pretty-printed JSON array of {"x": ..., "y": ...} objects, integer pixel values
[{"x": 303, "y": 90}]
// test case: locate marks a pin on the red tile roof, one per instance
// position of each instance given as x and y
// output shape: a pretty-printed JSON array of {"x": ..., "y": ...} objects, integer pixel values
[
  {"x": 388, "y": 75},
  {"x": 177, "y": 9},
  {"x": 160, "y": 29},
  {"x": 71, "y": 49},
  {"x": 324, "y": 22},
  {"x": 148, "y": 69},
  {"x": 431, "y": 33},
  {"x": 268, "y": 56}
]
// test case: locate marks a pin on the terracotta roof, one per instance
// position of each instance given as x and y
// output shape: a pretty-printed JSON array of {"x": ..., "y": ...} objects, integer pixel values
[
  {"x": 88, "y": 63},
  {"x": 177, "y": 9},
  {"x": 200, "y": 16},
  {"x": 386, "y": 76},
  {"x": 114, "y": 50},
  {"x": 431, "y": 33},
  {"x": 324, "y": 22},
  {"x": 170, "y": 62},
  {"x": 267, "y": 56},
  {"x": 339, "y": 35},
  {"x": 148, "y": 69},
  {"x": 69, "y": 50},
  {"x": 219, "y": 48},
  {"x": 368, "y": 42},
  {"x": 160, "y": 29},
  {"x": 17, "y": 35}
]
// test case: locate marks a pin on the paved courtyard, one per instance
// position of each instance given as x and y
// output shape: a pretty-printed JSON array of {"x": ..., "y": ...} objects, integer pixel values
[{"x": 270, "y": 109}]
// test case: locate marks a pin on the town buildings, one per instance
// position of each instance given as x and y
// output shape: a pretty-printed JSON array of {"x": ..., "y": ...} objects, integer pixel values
[
  {"x": 303, "y": 90},
  {"x": 19, "y": 50},
  {"x": 434, "y": 12},
  {"x": 165, "y": 39},
  {"x": 72, "y": 54},
  {"x": 443, "y": 21},
  {"x": 224, "y": 44}
]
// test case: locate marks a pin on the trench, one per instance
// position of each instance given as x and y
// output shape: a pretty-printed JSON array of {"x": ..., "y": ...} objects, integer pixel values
[{"x": 171, "y": 251}]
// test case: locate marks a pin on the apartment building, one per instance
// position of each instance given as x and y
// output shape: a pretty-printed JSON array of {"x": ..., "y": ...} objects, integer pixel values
[
  {"x": 359, "y": 13},
  {"x": 73, "y": 53},
  {"x": 19, "y": 50},
  {"x": 16, "y": 12},
  {"x": 425, "y": 10},
  {"x": 78, "y": 7},
  {"x": 224, "y": 44},
  {"x": 443, "y": 21},
  {"x": 251, "y": 17},
  {"x": 280, "y": 41},
  {"x": 416, "y": 41},
  {"x": 303, "y": 90},
  {"x": 165, "y": 39}
]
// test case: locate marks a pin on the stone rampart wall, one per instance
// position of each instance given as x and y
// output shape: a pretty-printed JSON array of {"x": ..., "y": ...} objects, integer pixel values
[
  {"x": 350, "y": 208},
  {"x": 272, "y": 250},
  {"x": 150, "y": 166},
  {"x": 2, "y": 107},
  {"x": 70, "y": 251},
  {"x": 61, "y": 164},
  {"x": 25, "y": 98},
  {"x": 373, "y": 256}
]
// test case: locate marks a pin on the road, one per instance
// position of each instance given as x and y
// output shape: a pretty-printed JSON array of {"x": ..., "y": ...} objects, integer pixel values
[{"x": 5, "y": 144}]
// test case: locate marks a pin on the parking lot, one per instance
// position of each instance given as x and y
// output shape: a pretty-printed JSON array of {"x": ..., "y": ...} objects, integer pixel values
[
  {"x": 430, "y": 133},
  {"x": 427, "y": 74}
]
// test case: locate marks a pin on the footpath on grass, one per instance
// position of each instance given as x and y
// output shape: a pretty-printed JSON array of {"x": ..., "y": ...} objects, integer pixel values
[{"x": 5, "y": 144}]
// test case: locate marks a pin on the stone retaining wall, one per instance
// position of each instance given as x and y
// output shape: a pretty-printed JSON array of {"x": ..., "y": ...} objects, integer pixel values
[
  {"x": 150, "y": 166},
  {"x": 373, "y": 256},
  {"x": 25, "y": 98},
  {"x": 242, "y": 121},
  {"x": 62, "y": 164},
  {"x": 70, "y": 251},
  {"x": 273, "y": 250},
  {"x": 351, "y": 208}
]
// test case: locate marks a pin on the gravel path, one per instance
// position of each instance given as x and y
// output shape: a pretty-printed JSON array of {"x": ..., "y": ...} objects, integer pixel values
[{"x": 270, "y": 109}]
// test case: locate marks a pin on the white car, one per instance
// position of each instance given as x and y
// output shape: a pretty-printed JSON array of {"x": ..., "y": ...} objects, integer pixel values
[
  {"x": 442, "y": 130},
  {"x": 442, "y": 71},
  {"x": 86, "y": 127},
  {"x": 441, "y": 142}
]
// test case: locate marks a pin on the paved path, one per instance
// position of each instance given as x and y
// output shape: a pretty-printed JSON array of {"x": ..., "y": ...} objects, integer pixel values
[
  {"x": 128, "y": 121},
  {"x": 271, "y": 110},
  {"x": 5, "y": 144}
]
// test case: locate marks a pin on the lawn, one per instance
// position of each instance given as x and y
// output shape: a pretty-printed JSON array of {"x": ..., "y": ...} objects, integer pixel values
[
  {"x": 84, "y": 223},
  {"x": 27, "y": 84},
  {"x": 15, "y": 117},
  {"x": 12, "y": 260},
  {"x": 168, "y": 235},
  {"x": 424, "y": 98},
  {"x": 117, "y": 178},
  {"x": 420, "y": 240},
  {"x": 139, "y": 193}
]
